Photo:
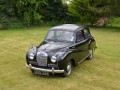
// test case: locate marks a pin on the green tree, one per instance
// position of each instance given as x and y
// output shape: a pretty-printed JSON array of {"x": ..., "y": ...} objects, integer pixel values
[
  {"x": 115, "y": 8},
  {"x": 84, "y": 10},
  {"x": 32, "y": 12},
  {"x": 28, "y": 10},
  {"x": 54, "y": 10},
  {"x": 88, "y": 10},
  {"x": 6, "y": 13}
]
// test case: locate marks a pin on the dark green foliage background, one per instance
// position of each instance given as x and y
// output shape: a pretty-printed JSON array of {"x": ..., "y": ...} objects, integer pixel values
[
  {"x": 20, "y": 13},
  {"x": 25, "y": 13}
]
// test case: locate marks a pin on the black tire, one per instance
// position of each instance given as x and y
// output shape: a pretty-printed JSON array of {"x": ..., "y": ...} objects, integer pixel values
[
  {"x": 90, "y": 54},
  {"x": 68, "y": 70}
]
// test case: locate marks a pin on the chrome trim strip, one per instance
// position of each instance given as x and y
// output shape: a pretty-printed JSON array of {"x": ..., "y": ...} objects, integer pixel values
[
  {"x": 45, "y": 70},
  {"x": 83, "y": 59}
]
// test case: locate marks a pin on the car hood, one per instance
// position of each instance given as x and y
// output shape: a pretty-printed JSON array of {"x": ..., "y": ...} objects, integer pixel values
[{"x": 49, "y": 46}]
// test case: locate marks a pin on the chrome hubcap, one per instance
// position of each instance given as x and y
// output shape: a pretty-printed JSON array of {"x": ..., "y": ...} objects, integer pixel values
[
  {"x": 69, "y": 68},
  {"x": 91, "y": 55}
]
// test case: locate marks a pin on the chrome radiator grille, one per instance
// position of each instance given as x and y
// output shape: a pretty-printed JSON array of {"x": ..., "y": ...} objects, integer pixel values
[{"x": 42, "y": 58}]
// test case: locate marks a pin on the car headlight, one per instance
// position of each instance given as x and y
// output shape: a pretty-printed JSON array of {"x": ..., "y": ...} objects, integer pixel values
[
  {"x": 31, "y": 56},
  {"x": 53, "y": 59}
]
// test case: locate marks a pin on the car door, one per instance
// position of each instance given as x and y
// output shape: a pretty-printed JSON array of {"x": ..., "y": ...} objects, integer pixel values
[{"x": 82, "y": 44}]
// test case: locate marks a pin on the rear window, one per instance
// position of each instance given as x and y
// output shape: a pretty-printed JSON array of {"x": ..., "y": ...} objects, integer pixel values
[{"x": 86, "y": 33}]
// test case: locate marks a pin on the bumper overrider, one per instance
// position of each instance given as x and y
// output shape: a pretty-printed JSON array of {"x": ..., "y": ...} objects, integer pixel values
[{"x": 45, "y": 70}]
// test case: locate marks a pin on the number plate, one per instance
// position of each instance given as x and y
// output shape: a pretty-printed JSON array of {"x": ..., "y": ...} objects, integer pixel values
[{"x": 41, "y": 73}]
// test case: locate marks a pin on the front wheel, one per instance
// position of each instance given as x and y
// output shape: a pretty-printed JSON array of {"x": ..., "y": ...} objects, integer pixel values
[
  {"x": 90, "y": 54},
  {"x": 68, "y": 70}
]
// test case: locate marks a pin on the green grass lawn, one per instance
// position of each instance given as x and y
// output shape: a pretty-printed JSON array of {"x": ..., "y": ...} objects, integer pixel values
[{"x": 100, "y": 73}]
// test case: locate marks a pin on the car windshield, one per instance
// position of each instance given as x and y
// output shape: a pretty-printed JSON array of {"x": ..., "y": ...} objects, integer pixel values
[{"x": 60, "y": 35}]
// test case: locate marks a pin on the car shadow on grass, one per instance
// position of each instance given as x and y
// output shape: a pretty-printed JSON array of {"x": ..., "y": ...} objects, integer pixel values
[{"x": 51, "y": 76}]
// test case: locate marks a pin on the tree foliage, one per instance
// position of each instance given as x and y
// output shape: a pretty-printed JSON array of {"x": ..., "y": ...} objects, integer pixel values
[
  {"x": 31, "y": 12},
  {"x": 53, "y": 10},
  {"x": 91, "y": 10},
  {"x": 27, "y": 10},
  {"x": 85, "y": 10},
  {"x": 34, "y": 12},
  {"x": 115, "y": 8}
]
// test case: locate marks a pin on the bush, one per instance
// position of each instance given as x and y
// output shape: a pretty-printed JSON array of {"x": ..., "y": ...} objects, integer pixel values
[{"x": 11, "y": 25}]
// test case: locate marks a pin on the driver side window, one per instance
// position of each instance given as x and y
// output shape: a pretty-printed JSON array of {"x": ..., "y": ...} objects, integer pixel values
[{"x": 80, "y": 36}]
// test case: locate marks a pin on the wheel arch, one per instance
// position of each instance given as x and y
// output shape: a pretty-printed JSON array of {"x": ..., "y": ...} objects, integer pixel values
[
  {"x": 72, "y": 60},
  {"x": 92, "y": 44}
]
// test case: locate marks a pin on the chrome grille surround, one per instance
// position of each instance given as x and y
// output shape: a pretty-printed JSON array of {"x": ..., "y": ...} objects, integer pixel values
[{"x": 42, "y": 58}]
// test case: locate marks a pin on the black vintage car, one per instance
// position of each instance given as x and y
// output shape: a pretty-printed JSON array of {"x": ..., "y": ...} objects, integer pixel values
[{"x": 64, "y": 46}]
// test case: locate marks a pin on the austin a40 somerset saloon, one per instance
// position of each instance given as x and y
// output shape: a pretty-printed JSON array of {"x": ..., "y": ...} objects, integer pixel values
[{"x": 64, "y": 46}]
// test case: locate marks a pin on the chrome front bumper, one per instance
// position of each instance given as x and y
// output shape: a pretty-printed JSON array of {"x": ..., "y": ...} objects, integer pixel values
[{"x": 45, "y": 70}]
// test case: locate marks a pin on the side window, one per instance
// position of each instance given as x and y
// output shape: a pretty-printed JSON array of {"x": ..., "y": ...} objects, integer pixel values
[
  {"x": 80, "y": 36},
  {"x": 86, "y": 33}
]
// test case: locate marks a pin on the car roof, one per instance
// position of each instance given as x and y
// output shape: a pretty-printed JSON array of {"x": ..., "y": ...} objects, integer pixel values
[{"x": 69, "y": 27}]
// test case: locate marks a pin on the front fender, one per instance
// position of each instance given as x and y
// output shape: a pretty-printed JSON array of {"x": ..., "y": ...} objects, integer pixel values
[
  {"x": 65, "y": 59},
  {"x": 31, "y": 50}
]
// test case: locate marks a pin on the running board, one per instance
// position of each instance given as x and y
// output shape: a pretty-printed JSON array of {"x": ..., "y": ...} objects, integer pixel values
[{"x": 82, "y": 59}]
